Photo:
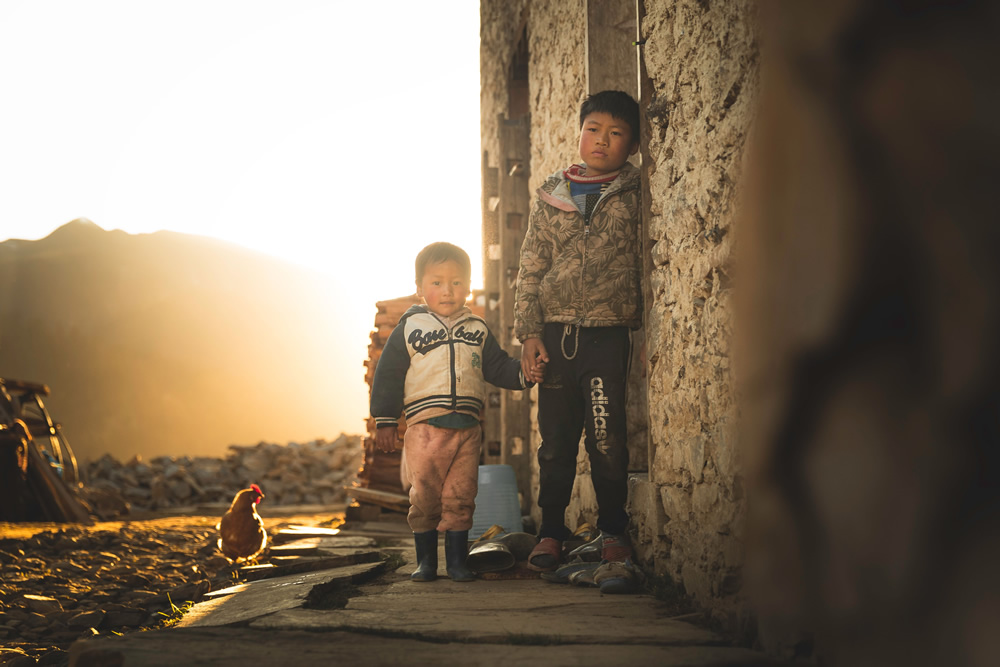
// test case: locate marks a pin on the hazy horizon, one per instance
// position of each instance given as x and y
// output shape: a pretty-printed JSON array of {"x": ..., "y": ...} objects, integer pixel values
[
  {"x": 175, "y": 344},
  {"x": 288, "y": 130}
]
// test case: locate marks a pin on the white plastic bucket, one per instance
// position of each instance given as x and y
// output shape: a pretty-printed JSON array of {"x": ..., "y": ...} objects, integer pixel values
[{"x": 496, "y": 501}]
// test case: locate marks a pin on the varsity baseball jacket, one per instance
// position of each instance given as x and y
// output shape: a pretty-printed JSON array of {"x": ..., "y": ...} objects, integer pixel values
[
  {"x": 575, "y": 270},
  {"x": 431, "y": 367}
]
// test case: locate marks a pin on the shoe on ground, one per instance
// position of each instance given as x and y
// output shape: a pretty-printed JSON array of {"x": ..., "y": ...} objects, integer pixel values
[
  {"x": 546, "y": 555},
  {"x": 615, "y": 548},
  {"x": 563, "y": 573},
  {"x": 589, "y": 551},
  {"x": 456, "y": 553},
  {"x": 617, "y": 578},
  {"x": 585, "y": 576}
]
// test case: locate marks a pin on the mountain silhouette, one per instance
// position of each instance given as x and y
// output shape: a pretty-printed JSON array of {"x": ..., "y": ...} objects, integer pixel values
[{"x": 170, "y": 343}]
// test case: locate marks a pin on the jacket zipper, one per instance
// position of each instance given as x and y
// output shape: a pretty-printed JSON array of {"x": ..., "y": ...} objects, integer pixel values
[
  {"x": 583, "y": 263},
  {"x": 451, "y": 360}
]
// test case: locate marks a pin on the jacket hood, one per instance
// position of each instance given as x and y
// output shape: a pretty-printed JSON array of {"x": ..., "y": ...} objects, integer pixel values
[{"x": 555, "y": 189}]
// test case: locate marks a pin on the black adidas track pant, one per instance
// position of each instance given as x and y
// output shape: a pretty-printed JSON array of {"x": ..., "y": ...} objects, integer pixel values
[{"x": 583, "y": 390}]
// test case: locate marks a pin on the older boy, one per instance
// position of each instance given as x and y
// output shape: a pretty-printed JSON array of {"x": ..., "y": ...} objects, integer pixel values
[
  {"x": 433, "y": 369},
  {"x": 578, "y": 297}
]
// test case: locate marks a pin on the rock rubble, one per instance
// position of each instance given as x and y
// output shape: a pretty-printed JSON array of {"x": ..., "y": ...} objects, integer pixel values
[
  {"x": 60, "y": 586},
  {"x": 312, "y": 473},
  {"x": 117, "y": 577}
]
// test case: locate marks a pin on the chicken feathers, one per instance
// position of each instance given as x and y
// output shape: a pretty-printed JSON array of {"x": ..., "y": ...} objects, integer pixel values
[{"x": 241, "y": 531}]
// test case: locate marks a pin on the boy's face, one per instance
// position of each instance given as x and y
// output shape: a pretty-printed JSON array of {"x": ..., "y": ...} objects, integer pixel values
[
  {"x": 605, "y": 143},
  {"x": 443, "y": 288}
]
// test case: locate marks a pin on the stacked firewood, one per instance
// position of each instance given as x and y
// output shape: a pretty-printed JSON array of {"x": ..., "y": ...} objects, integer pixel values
[{"x": 380, "y": 470}]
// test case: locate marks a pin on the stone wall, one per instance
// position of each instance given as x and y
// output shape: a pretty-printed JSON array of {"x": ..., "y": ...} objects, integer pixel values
[
  {"x": 557, "y": 84},
  {"x": 868, "y": 310},
  {"x": 500, "y": 25},
  {"x": 556, "y": 76},
  {"x": 701, "y": 61}
]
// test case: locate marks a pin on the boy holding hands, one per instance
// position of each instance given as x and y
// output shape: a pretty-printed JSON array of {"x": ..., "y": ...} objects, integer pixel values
[
  {"x": 578, "y": 297},
  {"x": 434, "y": 369}
]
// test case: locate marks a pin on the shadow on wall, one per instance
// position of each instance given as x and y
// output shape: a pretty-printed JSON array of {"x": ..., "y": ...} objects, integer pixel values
[{"x": 869, "y": 318}]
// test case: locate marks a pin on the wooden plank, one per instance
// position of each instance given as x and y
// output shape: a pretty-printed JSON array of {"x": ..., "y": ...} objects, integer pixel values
[
  {"x": 392, "y": 501},
  {"x": 260, "y": 598},
  {"x": 297, "y": 565},
  {"x": 296, "y": 548},
  {"x": 321, "y": 543},
  {"x": 293, "y": 533},
  {"x": 513, "y": 429}
]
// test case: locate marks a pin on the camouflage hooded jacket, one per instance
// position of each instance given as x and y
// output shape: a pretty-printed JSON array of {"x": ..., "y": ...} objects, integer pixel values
[{"x": 576, "y": 271}]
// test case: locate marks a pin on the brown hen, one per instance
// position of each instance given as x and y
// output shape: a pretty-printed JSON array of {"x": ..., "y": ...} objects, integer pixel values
[{"x": 242, "y": 535}]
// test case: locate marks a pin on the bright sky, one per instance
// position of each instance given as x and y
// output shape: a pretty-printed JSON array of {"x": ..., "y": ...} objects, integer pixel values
[{"x": 337, "y": 134}]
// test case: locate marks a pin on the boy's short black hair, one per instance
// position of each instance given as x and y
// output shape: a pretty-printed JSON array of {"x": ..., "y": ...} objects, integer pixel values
[
  {"x": 439, "y": 252},
  {"x": 615, "y": 102}
]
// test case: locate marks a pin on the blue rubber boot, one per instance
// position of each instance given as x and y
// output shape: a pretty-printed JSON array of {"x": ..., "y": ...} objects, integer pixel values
[
  {"x": 427, "y": 556},
  {"x": 456, "y": 550}
]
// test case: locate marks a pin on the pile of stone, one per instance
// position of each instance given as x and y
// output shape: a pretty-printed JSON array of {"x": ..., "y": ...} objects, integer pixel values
[{"x": 313, "y": 473}]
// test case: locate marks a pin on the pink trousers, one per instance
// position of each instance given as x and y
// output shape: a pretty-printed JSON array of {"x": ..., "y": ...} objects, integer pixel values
[{"x": 442, "y": 467}]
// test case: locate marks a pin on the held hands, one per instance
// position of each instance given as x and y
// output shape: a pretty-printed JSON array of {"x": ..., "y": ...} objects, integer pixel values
[
  {"x": 386, "y": 438},
  {"x": 534, "y": 357}
]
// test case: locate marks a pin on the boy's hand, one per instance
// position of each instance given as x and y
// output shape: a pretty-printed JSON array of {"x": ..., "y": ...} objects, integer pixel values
[
  {"x": 539, "y": 372},
  {"x": 386, "y": 438},
  {"x": 534, "y": 356}
]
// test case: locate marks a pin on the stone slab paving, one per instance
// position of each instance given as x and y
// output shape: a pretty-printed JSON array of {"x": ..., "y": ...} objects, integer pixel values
[
  {"x": 245, "y": 602},
  {"x": 396, "y": 621},
  {"x": 507, "y": 611},
  {"x": 239, "y": 647}
]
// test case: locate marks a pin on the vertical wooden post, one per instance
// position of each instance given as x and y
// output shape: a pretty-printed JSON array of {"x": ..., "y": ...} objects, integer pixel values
[{"x": 512, "y": 223}]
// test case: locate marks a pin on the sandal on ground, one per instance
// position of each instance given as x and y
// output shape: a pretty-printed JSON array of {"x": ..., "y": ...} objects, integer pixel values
[
  {"x": 563, "y": 573},
  {"x": 546, "y": 554},
  {"x": 585, "y": 576},
  {"x": 590, "y": 551}
]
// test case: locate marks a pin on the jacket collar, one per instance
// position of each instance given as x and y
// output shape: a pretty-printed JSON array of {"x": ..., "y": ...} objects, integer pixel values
[
  {"x": 555, "y": 191},
  {"x": 460, "y": 315}
]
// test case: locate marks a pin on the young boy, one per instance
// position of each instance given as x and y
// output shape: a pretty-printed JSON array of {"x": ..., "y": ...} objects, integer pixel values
[
  {"x": 434, "y": 370},
  {"x": 578, "y": 297}
]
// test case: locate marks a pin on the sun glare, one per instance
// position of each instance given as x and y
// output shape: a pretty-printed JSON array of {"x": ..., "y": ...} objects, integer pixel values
[{"x": 295, "y": 130}]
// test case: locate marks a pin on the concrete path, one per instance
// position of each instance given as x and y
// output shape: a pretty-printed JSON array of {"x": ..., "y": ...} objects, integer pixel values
[{"x": 367, "y": 615}]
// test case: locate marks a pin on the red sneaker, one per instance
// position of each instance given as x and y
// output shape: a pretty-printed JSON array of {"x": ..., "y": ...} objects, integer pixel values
[
  {"x": 546, "y": 555},
  {"x": 615, "y": 549}
]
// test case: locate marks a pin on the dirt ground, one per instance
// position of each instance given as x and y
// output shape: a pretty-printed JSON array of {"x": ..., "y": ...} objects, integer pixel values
[{"x": 61, "y": 582}]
